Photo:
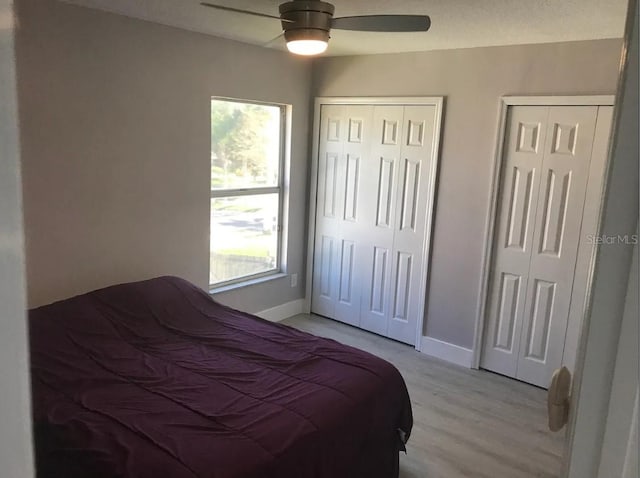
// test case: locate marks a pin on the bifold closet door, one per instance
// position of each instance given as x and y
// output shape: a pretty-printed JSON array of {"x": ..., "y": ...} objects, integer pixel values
[
  {"x": 546, "y": 163},
  {"x": 380, "y": 191},
  {"x": 523, "y": 152},
  {"x": 374, "y": 169},
  {"x": 558, "y": 221},
  {"x": 345, "y": 138},
  {"x": 412, "y": 218}
]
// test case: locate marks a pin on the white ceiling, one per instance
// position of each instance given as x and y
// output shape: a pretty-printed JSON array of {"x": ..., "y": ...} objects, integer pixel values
[{"x": 454, "y": 23}]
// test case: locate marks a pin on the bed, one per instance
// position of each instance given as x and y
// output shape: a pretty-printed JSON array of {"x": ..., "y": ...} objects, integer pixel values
[{"x": 154, "y": 379}]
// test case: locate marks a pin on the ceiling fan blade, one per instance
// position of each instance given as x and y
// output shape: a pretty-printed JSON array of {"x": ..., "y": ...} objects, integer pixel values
[
  {"x": 383, "y": 23},
  {"x": 237, "y": 10}
]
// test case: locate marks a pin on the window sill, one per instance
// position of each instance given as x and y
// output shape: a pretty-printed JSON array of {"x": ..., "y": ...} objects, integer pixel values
[{"x": 245, "y": 283}]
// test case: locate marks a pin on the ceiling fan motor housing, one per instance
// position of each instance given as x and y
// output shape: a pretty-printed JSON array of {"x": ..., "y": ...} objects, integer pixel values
[{"x": 306, "y": 20}]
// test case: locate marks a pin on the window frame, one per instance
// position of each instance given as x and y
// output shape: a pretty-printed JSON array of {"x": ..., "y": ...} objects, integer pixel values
[{"x": 278, "y": 189}]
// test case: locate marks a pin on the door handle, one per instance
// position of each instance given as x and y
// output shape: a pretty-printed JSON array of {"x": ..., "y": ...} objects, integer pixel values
[{"x": 558, "y": 399}]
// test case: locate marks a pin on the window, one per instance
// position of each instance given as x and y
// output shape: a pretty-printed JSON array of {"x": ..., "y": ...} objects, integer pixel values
[{"x": 246, "y": 190}]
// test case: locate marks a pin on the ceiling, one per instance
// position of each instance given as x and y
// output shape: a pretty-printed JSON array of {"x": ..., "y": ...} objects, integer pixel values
[{"x": 454, "y": 23}]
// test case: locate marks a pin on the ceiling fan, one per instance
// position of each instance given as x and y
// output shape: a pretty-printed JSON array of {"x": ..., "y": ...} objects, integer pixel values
[{"x": 306, "y": 23}]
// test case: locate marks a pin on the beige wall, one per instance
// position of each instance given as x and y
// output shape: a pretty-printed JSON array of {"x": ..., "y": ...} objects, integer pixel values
[
  {"x": 16, "y": 457},
  {"x": 472, "y": 80},
  {"x": 115, "y": 136}
]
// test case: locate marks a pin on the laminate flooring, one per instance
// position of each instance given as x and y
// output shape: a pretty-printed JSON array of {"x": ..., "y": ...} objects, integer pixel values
[{"x": 467, "y": 423}]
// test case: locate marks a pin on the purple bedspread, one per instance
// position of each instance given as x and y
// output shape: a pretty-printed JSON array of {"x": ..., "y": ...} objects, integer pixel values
[{"x": 154, "y": 379}]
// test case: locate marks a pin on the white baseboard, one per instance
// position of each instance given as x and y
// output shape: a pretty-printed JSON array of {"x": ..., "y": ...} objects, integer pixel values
[
  {"x": 283, "y": 311},
  {"x": 446, "y": 351}
]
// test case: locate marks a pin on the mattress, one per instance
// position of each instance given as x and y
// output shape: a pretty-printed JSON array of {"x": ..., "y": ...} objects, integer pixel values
[{"x": 155, "y": 379}]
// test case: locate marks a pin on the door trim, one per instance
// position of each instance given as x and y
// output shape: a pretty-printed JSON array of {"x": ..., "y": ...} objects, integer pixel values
[
  {"x": 490, "y": 221},
  {"x": 438, "y": 102}
]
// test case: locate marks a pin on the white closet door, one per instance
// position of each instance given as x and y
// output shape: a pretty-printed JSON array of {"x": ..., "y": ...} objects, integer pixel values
[
  {"x": 565, "y": 173},
  {"x": 344, "y": 145},
  {"x": 523, "y": 153},
  {"x": 380, "y": 188},
  {"x": 374, "y": 207},
  {"x": 408, "y": 275},
  {"x": 547, "y": 154}
]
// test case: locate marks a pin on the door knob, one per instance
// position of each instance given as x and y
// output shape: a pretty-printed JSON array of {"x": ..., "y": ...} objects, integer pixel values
[{"x": 558, "y": 399}]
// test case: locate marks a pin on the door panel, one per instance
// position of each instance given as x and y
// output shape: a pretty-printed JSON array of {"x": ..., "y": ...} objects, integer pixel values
[
  {"x": 554, "y": 212},
  {"x": 509, "y": 297},
  {"x": 337, "y": 257},
  {"x": 519, "y": 208},
  {"x": 401, "y": 298},
  {"x": 412, "y": 220},
  {"x": 565, "y": 173},
  {"x": 544, "y": 294},
  {"x": 330, "y": 172},
  {"x": 345, "y": 293},
  {"x": 330, "y": 195},
  {"x": 378, "y": 300},
  {"x": 380, "y": 186},
  {"x": 327, "y": 266},
  {"x": 385, "y": 191},
  {"x": 523, "y": 152},
  {"x": 351, "y": 188},
  {"x": 409, "y": 195}
]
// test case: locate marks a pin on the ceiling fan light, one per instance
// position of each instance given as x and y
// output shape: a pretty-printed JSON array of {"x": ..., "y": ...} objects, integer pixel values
[
  {"x": 307, "y": 47},
  {"x": 306, "y": 41}
]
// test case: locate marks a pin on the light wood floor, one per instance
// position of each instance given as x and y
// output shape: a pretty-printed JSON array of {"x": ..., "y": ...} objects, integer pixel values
[{"x": 467, "y": 423}]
